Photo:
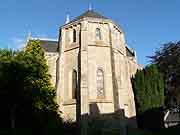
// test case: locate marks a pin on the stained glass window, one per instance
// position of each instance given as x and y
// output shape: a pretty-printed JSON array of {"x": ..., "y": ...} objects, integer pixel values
[{"x": 100, "y": 83}]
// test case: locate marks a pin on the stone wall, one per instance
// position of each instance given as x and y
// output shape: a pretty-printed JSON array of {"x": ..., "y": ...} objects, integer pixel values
[
  {"x": 88, "y": 54},
  {"x": 52, "y": 64}
]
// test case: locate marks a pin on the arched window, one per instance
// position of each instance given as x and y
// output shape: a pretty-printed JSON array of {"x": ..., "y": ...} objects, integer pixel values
[
  {"x": 100, "y": 84},
  {"x": 74, "y": 84},
  {"x": 98, "y": 34},
  {"x": 74, "y": 35}
]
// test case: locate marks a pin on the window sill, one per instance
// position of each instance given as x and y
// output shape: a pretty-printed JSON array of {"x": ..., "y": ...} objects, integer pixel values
[
  {"x": 99, "y": 42},
  {"x": 70, "y": 102},
  {"x": 101, "y": 101},
  {"x": 74, "y": 43},
  {"x": 71, "y": 48}
]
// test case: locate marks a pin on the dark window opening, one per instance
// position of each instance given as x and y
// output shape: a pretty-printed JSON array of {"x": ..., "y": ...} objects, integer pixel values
[
  {"x": 74, "y": 84},
  {"x": 98, "y": 33},
  {"x": 74, "y": 35}
]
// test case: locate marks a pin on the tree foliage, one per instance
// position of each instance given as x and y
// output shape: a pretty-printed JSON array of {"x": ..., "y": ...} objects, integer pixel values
[
  {"x": 148, "y": 87},
  {"x": 167, "y": 58},
  {"x": 27, "y": 98},
  {"x": 43, "y": 93}
]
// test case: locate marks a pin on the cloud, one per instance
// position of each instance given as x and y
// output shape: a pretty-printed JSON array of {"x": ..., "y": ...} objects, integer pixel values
[
  {"x": 16, "y": 43},
  {"x": 19, "y": 42},
  {"x": 43, "y": 37}
]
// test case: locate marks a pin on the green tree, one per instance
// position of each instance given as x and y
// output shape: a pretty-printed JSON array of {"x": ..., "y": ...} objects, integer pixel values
[
  {"x": 39, "y": 77},
  {"x": 148, "y": 85},
  {"x": 14, "y": 98},
  {"x": 139, "y": 89},
  {"x": 167, "y": 58},
  {"x": 27, "y": 98}
]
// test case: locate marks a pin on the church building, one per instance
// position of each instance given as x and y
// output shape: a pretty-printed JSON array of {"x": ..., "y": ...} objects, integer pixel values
[{"x": 91, "y": 67}]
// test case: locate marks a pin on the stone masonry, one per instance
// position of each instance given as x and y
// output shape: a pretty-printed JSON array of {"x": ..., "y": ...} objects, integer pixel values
[{"x": 91, "y": 61}]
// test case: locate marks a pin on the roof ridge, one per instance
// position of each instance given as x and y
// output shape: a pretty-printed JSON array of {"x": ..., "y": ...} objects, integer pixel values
[
  {"x": 44, "y": 39},
  {"x": 89, "y": 13}
]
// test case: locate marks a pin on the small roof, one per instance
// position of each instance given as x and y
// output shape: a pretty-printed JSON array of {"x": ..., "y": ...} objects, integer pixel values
[
  {"x": 89, "y": 14},
  {"x": 173, "y": 117},
  {"x": 129, "y": 52},
  {"x": 49, "y": 46}
]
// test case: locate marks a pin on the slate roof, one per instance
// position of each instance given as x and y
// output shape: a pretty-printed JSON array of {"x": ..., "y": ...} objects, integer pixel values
[
  {"x": 49, "y": 46},
  {"x": 129, "y": 52},
  {"x": 89, "y": 14},
  {"x": 173, "y": 117}
]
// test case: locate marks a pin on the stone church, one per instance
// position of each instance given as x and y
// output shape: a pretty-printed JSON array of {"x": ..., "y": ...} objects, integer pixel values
[{"x": 91, "y": 64}]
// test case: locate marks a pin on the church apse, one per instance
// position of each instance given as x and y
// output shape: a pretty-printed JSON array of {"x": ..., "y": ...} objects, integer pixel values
[{"x": 91, "y": 68}]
